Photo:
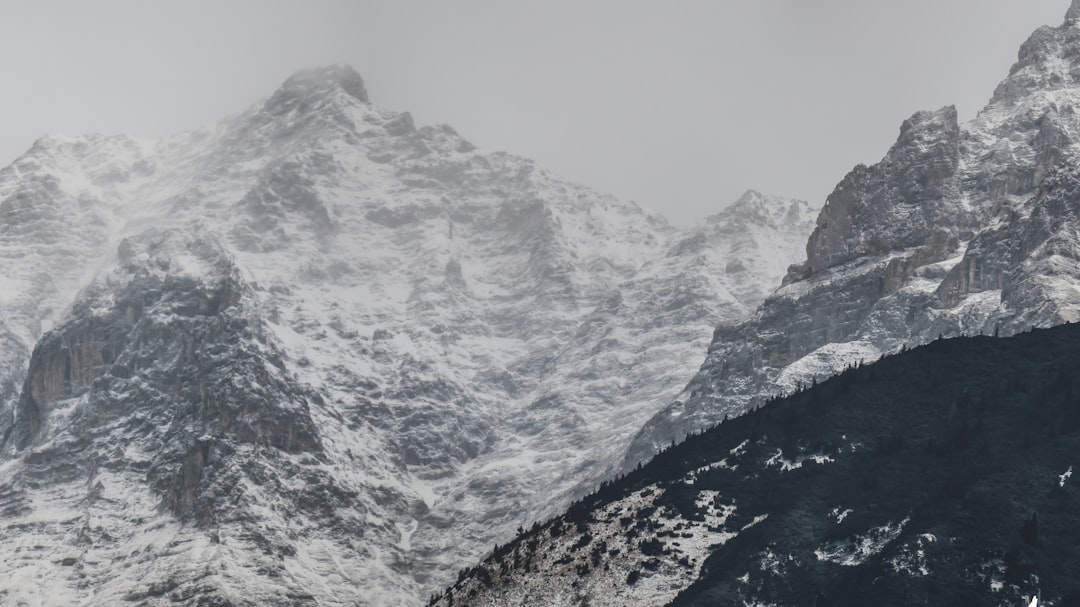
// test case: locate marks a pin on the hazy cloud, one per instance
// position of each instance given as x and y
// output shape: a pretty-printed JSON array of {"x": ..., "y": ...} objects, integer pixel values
[{"x": 680, "y": 106}]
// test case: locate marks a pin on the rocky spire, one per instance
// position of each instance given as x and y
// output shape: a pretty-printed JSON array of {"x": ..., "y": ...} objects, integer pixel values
[{"x": 898, "y": 203}]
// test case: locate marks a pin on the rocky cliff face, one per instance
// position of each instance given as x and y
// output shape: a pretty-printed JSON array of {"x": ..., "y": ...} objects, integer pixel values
[
  {"x": 959, "y": 230},
  {"x": 321, "y": 355},
  {"x": 159, "y": 449}
]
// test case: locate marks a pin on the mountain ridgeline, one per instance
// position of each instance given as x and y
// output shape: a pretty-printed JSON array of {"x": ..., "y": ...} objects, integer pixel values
[{"x": 939, "y": 476}]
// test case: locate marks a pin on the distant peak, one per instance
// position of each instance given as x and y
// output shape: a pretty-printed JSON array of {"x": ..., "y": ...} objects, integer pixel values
[
  {"x": 753, "y": 199},
  {"x": 749, "y": 196},
  {"x": 755, "y": 207},
  {"x": 748, "y": 202},
  {"x": 1073, "y": 14},
  {"x": 320, "y": 81},
  {"x": 1044, "y": 62},
  {"x": 340, "y": 76}
]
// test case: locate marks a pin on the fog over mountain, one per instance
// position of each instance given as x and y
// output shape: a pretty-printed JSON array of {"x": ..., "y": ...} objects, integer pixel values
[{"x": 679, "y": 108}]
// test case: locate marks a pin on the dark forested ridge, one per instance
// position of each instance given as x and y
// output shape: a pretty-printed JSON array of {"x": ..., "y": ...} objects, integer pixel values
[{"x": 939, "y": 476}]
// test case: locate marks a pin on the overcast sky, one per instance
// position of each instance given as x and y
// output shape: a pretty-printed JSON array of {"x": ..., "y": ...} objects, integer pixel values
[{"x": 678, "y": 105}]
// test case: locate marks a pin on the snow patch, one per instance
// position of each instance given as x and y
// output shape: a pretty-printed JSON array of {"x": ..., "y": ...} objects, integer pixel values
[
  {"x": 912, "y": 557},
  {"x": 561, "y": 571},
  {"x": 856, "y": 550},
  {"x": 407, "y": 531},
  {"x": 188, "y": 265},
  {"x": 787, "y": 465},
  {"x": 825, "y": 362},
  {"x": 840, "y": 515}
]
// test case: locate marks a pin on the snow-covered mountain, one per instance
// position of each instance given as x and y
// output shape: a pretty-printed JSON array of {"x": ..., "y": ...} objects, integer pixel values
[
  {"x": 960, "y": 229},
  {"x": 319, "y": 355}
]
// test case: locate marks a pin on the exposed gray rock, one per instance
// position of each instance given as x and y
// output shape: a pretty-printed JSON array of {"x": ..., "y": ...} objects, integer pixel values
[
  {"x": 165, "y": 388},
  {"x": 958, "y": 230}
]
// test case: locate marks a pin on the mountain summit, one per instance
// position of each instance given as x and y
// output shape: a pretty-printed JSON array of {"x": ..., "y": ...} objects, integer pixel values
[
  {"x": 307, "y": 89},
  {"x": 343, "y": 77},
  {"x": 1073, "y": 14},
  {"x": 321, "y": 355}
]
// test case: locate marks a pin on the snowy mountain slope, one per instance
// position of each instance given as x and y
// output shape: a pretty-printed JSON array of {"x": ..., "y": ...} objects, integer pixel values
[
  {"x": 319, "y": 355},
  {"x": 940, "y": 476},
  {"x": 959, "y": 229}
]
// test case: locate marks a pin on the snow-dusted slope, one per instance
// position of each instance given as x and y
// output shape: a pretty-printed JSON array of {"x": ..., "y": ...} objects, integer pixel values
[
  {"x": 320, "y": 355},
  {"x": 960, "y": 229}
]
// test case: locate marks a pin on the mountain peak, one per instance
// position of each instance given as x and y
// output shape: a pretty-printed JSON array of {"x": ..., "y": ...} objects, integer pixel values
[
  {"x": 764, "y": 209},
  {"x": 1045, "y": 61},
  {"x": 316, "y": 83},
  {"x": 343, "y": 77},
  {"x": 749, "y": 197},
  {"x": 1073, "y": 14},
  {"x": 753, "y": 200}
]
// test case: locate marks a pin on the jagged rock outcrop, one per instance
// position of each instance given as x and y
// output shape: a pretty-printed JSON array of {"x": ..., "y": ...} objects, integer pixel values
[
  {"x": 897, "y": 203},
  {"x": 322, "y": 355},
  {"x": 960, "y": 229}
]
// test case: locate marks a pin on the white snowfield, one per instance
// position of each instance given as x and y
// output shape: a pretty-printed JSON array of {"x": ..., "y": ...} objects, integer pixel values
[{"x": 485, "y": 339}]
